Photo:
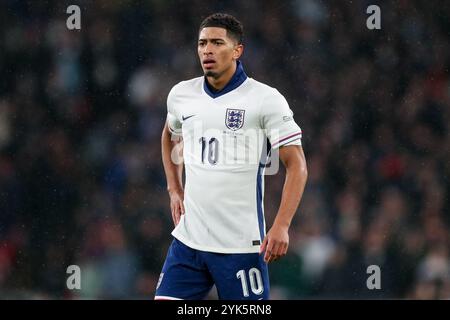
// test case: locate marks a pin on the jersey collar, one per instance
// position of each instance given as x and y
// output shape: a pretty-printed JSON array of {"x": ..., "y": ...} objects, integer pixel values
[{"x": 238, "y": 78}]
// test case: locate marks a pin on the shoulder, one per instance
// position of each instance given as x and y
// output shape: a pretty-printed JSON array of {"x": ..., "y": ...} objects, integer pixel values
[
  {"x": 268, "y": 96},
  {"x": 186, "y": 86},
  {"x": 263, "y": 90}
]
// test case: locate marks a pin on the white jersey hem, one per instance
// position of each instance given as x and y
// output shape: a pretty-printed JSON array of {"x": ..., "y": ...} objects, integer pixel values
[{"x": 192, "y": 245}]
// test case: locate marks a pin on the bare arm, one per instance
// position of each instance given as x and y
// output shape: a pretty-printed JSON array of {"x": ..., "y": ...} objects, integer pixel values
[
  {"x": 173, "y": 168},
  {"x": 276, "y": 241}
]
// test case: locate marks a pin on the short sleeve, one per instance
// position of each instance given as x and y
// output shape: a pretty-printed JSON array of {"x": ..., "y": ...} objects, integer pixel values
[
  {"x": 278, "y": 121},
  {"x": 173, "y": 122}
]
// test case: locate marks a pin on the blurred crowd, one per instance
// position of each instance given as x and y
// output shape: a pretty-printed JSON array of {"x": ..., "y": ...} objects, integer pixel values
[{"x": 81, "y": 113}]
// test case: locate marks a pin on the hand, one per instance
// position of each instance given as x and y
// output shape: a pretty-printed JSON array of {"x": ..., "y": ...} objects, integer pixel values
[
  {"x": 275, "y": 243},
  {"x": 176, "y": 205}
]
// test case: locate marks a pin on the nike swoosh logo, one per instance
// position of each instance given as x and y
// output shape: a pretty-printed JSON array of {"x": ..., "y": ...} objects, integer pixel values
[{"x": 185, "y": 118}]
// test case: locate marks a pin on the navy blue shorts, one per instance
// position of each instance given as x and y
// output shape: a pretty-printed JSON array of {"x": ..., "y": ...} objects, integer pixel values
[{"x": 190, "y": 274}]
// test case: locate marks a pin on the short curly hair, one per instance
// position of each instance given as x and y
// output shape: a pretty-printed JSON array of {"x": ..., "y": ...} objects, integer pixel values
[{"x": 234, "y": 27}]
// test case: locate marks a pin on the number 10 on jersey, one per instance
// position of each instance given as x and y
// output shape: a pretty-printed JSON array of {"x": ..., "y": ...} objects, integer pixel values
[{"x": 211, "y": 147}]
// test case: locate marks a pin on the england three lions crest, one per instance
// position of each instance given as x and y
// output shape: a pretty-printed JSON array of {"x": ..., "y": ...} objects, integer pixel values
[{"x": 234, "y": 119}]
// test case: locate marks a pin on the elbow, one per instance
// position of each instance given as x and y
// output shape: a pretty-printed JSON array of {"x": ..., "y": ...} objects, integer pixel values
[
  {"x": 298, "y": 169},
  {"x": 164, "y": 134},
  {"x": 304, "y": 172}
]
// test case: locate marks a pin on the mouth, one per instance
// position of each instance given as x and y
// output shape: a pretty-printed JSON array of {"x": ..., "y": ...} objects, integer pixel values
[{"x": 209, "y": 63}]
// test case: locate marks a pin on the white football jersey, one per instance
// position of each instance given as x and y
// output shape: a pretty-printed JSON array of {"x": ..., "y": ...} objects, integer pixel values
[{"x": 225, "y": 137}]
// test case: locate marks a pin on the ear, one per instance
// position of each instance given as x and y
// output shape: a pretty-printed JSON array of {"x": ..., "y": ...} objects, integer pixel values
[{"x": 237, "y": 52}]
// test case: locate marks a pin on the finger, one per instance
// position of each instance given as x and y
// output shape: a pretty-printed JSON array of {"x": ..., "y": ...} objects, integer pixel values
[
  {"x": 175, "y": 214},
  {"x": 268, "y": 250},
  {"x": 281, "y": 250},
  {"x": 267, "y": 257},
  {"x": 273, "y": 257},
  {"x": 263, "y": 246},
  {"x": 172, "y": 212},
  {"x": 285, "y": 249},
  {"x": 275, "y": 251},
  {"x": 182, "y": 207}
]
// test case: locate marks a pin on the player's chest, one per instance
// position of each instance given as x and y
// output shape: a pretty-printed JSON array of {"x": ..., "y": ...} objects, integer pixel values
[{"x": 232, "y": 115}]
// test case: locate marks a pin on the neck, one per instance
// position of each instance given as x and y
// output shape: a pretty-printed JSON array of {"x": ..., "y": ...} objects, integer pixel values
[{"x": 220, "y": 82}]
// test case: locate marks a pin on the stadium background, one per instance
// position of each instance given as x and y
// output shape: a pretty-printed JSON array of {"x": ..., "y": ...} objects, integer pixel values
[{"x": 81, "y": 112}]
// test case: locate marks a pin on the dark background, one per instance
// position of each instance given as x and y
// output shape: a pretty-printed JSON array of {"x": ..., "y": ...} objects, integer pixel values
[{"x": 81, "y": 113}]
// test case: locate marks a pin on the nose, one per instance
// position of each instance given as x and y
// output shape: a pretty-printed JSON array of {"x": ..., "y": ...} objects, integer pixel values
[{"x": 207, "y": 49}]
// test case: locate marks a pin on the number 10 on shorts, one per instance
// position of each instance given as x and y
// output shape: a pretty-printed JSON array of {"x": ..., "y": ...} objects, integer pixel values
[{"x": 256, "y": 283}]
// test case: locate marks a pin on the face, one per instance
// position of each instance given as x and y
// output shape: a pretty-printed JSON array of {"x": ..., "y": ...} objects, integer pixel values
[{"x": 217, "y": 51}]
